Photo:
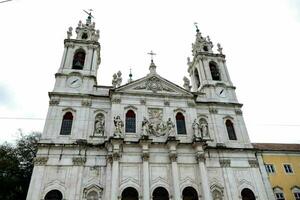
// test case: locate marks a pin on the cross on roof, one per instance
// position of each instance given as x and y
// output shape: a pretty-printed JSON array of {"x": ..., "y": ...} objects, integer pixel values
[
  {"x": 152, "y": 54},
  {"x": 89, "y": 13}
]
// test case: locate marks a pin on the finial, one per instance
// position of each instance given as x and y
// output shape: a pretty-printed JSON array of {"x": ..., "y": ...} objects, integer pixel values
[
  {"x": 130, "y": 76},
  {"x": 196, "y": 25},
  {"x": 220, "y": 49},
  {"x": 90, "y": 16},
  {"x": 152, "y": 67}
]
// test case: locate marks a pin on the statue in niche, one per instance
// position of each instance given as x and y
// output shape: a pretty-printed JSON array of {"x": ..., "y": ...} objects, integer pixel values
[
  {"x": 170, "y": 128},
  {"x": 118, "y": 127},
  {"x": 203, "y": 128},
  {"x": 196, "y": 128},
  {"x": 99, "y": 125},
  {"x": 145, "y": 127}
]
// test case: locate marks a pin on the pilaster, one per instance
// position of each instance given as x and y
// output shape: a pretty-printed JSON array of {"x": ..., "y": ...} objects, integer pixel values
[{"x": 145, "y": 144}]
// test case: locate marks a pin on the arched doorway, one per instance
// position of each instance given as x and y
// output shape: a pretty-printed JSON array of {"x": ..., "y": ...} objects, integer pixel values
[
  {"x": 160, "y": 193},
  {"x": 189, "y": 193},
  {"x": 54, "y": 195},
  {"x": 130, "y": 194},
  {"x": 247, "y": 194}
]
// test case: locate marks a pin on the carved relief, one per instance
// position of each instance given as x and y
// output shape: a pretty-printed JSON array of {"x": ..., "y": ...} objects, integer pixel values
[
  {"x": 118, "y": 127},
  {"x": 213, "y": 110},
  {"x": 99, "y": 125},
  {"x": 78, "y": 161},
  {"x": 224, "y": 162},
  {"x": 154, "y": 84},
  {"x": 54, "y": 102},
  {"x": 156, "y": 126},
  {"x": 40, "y": 160},
  {"x": 253, "y": 163},
  {"x": 238, "y": 112},
  {"x": 116, "y": 100},
  {"x": 86, "y": 103}
]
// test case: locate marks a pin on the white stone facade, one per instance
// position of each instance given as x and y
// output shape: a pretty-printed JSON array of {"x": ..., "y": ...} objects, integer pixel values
[{"x": 98, "y": 159}]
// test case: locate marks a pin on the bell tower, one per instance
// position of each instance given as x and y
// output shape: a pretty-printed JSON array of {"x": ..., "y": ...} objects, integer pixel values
[
  {"x": 81, "y": 59},
  {"x": 208, "y": 72}
]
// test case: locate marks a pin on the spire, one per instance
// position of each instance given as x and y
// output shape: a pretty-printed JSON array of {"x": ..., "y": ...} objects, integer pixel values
[
  {"x": 152, "y": 67},
  {"x": 202, "y": 44},
  {"x": 90, "y": 16},
  {"x": 130, "y": 76}
]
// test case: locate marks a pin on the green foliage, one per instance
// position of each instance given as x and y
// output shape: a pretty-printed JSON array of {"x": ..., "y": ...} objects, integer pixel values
[{"x": 16, "y": 164}]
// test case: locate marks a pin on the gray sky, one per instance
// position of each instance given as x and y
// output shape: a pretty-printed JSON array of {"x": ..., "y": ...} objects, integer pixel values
[{"x": 260, "y": 38}]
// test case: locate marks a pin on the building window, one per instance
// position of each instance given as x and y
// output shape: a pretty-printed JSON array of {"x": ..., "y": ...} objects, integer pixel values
[
  {"x": 279, "y": 196},
  {"x": 215, "y": 74},
  {"x": 180, "y": 122},
  {"x": 288, "y": 168},
  {"x": 130, "y": 122},
  {"x": 270, "y": 168},
  {"x": 78, "y": 59},
  {"x": 247, "y": 194},
  {"x": 230, "y": 130},
  {"x": 93, "y": 195},
  {"x": 297, "y": 195},
  {"x": 66, "y": 125},
  {"x": 278, "y": 193},
  {"x": 197, "y": 80}
]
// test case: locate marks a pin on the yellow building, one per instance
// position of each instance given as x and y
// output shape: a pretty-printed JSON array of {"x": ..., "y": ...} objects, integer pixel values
[{"x": 282, "y": 163}]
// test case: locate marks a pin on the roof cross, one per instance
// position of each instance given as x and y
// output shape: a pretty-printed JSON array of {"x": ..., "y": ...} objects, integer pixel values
[{"x": 152, "y": 54}]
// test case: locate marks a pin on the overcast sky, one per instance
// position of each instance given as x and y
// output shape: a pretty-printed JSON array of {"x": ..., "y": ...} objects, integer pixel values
[{"x": 261, "y": 40}]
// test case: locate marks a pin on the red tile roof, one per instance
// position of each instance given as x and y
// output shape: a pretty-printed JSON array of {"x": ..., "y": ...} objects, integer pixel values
[{"x": 277, "y": 146}]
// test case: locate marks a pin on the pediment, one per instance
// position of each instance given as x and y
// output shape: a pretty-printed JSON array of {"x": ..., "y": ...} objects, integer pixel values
[{"x": 153, "y": 85}]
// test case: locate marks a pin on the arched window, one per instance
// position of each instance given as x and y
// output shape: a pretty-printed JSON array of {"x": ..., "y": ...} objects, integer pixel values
[
  {"x": 296, "y": 193},
  {"x": 230, "y": 130},
  {"x": 54, "y": 195},
  {"x": 189, "y": 193},
  {"x": 197, "y": 80},
  {"x": 160, "y": 193},
  {"x": 279, "y": 195},
  {"x": 92, "y": 195},
  {"x": 247, "y": 194},
  {"x": 130, "y": 194},
  {"x": 66, "y": 125},
  {"x": 215, "y": 74},
  {"x": 78, "y": 59},
  {"x": 180, "y": 123},
  {"x": 130, "y": 122}
]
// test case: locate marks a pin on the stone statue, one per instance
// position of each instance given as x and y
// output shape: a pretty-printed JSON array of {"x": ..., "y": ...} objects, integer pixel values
[
  {"x": 170, "y": 128},
  {"x": 99, "y": 125},
  {"x": 196, "y": 128},
  {"x": 186, "y": 84},
  {"x": 96, "y": 35},
  {"x": 114, "y": 81},
  {"x": 69, "y": 32},
  {"x": 118, "y": 127},
  {"x": 204, "y": 128},
  {"x": 119, "y": 78},
  {"x": 145, "y": 127},
  {"x": 220, "y": 49}
]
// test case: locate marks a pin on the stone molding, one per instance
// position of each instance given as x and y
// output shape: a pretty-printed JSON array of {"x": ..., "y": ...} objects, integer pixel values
[
  {"x": 40, "y": 160},
  {"x": 253, "y": 163},
  {"x": 225, "y": 162},
  {"x": 78, "y": 161}
]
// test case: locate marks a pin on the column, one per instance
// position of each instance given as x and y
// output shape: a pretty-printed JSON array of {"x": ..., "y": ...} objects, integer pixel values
[
  {"x": 177, "y": 194},
  {"x": 115, "y": 177},
  {"x": 200, "y": 156},
  {"x": 172, "y": 143},
  {"x": 108, "y": 178},
  {"x": 146, "y": 183}
]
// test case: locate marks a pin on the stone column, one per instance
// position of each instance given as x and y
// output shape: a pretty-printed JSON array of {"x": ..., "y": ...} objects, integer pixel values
[
  {"x": 173, "y": 157},
  {"x": 145, "y": 143},
  {"x": 115, "y": 177},
  {"x": 200, "y": 156},
  {"x": 116, "y": 154}
]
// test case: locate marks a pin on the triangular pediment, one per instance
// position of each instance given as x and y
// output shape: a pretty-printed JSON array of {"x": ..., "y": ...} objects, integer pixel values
[{"x": 155, "y": 85}]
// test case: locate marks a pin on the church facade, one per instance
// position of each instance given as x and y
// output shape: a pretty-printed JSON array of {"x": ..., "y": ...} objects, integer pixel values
[{"x": 146, "y": 139}]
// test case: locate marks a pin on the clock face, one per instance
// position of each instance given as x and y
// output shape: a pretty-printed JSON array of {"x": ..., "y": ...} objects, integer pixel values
[
  {"x": 221, "y": 92},
  {"x": 74, "y": 81}
]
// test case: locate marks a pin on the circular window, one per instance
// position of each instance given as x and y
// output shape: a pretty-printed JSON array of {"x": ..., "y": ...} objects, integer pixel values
[{"x": 205, "y": 48}]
